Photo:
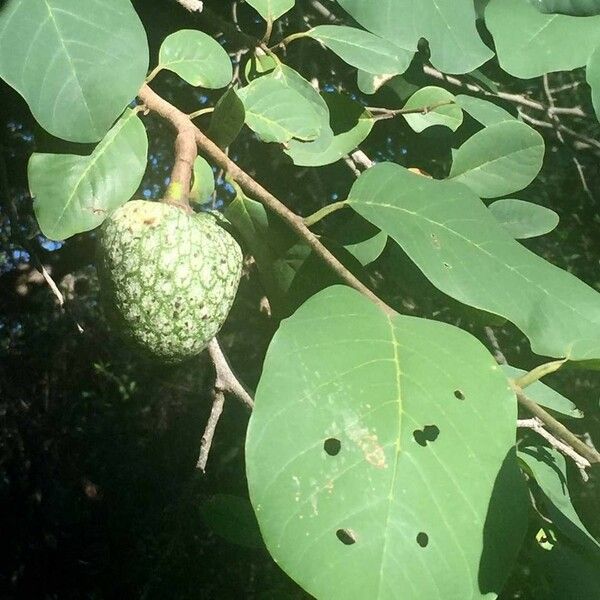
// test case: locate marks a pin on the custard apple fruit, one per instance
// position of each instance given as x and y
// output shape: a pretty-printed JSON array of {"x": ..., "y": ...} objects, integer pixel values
[{"x": 168, "y": 277}]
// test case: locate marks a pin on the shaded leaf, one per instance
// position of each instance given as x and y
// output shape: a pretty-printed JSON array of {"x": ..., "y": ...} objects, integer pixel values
[
  {"x": 204, "y": 182},
  {"x": 276, "y": 112},
  {"x": 576, "y": 8},
  {"x": 545, "y": 395},
  {"x": 369, "y": 83},
  {"x": 593, "y": 78},
  {"x": 350, "y": 124},
  {"x": 340, "y": 466},
  {"x": 442, "y": 109},
  {"x": 197, "y": 58},
  {"x": 448, "y": 26},
  {"x": 271, "y": 9},
  {"x": 73, "y": 194},
  {"x": 362, "y": 49},
  {"x": 500, "y": 159},
  {"x": 529, "y": 43},
  {"x": 227, "y": 119},
  {"x": 77, "y": 69},
  {"x": 462, "y": 249},
  {"x": 548, "y": 467},
  {"x": 484, "y": 111},
  {"x": 524, "y": 219}
]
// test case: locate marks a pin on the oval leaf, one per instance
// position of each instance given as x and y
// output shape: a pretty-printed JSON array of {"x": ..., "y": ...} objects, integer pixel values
[
  {"x": 77, "y": 69},
  {"x": 227, "y": 119},
  {"x": 196, "y": 58},
  {"x": 204, "y": 182},
  {"x": 362, "y": 49},
  {"x": 461, "y": 248},
  {"x": 340, "y": 466},
  {"x": 277, "y": 112},
  {"x": 487, "y": 113},
  {"x": 73, "y": 194},
  {"x": 524, "y": 219},
  {"x": 270, "y": 10},
  {"x": 439, "y": 108},
  {"x": 500, "y": 159},
  {"x": 448, "y": 26},
  {"x": 529, "y": 43},
  {"x": 545, "y": 395}
]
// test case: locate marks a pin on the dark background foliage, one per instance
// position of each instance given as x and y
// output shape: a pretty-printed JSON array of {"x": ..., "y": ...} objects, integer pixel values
[{"x": 98, "y": 488}]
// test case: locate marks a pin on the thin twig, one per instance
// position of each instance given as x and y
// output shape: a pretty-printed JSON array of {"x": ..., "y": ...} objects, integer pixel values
[
  {"x": 498, "y": 354},
  {"x": 209, "y": 432},
  {"x": 390, "y": 113},
  {"x": 253, "y": 189},
  {"x": 192, "y": 5}
]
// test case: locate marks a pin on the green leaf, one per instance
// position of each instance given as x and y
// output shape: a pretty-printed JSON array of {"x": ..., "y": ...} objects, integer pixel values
[
  {"x": 433, "y": 98},
  {"x": 362, "y": 239},
  {"x": 487, "y": 113},
  {"x": 369, "y": 83},
  {"x": 227, "y": 119},
  {"x": 351, "y": 123},
  {"x": 204, "y": 182},
  {"x": 576, "y": 8},
  {"x": 277, "y": 112},
  {"x": 73, "y": 194},
  {"x": 548, "y": 467},
  {"x": 524, "y": 219},
  {"x": 529, "y": 43},
  {"x": 362, "y": 49},
  {"x": 448, "y": 26},
  {"x": 271, "y": 9},
  {"x": 593, "y": 78},
  {"x": 233, "y": 519},
  {"x": 197, "y": 58},
  {"x": 545, "y": 395},
  {"x": 76, "y": 68},
  {"x": 500, "y": 159},
  {"x": 462, "y": 249},
  {"x": 341, "y": 466}
]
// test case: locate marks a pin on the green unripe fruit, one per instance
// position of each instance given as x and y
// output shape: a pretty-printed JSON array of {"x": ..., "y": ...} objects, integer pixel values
[{"x": 168, "y": 277}]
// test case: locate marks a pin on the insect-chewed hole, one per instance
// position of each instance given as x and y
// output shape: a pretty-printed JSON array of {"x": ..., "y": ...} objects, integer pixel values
[
  {"x": 422, "y": 539},
  {"x": 429, "y": 433},
  {"x": 447, "y": 265},
  {"x": 332, "y": 446},
  {"x": 458, "y": 394},
  {"x": 346, "y": 536}
]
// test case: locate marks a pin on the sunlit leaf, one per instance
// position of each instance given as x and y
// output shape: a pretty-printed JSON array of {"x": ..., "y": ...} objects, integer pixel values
[
  {"x": 197, "y": 58},
  {"x": 76, "y": 65},
  {"x": 73, "y": 194},
  {"x": 500, "y": 159},
  {"x": 576, "y": 8},
  {"x": 524, "y": 219},
  {"x": 463, "y": 250},
  {"x": 341, "y": 466},
  {"x": 593, "y": 79},
  {"x": 530, "y": 43},
  {"x": 362, "y": 49},
  {"x": 271, "y": 9},
  {"x": 204, "y": 182},
  {"x": 448, "y": 26},
  {"x": 484, "y": 111},
  {"x": 439, "y": 108}
]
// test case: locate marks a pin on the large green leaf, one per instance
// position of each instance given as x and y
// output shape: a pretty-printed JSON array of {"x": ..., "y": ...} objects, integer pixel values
[
  {"x": 500, "y": 159},
  {"x": 380, "y": 456},
  {"x": 73, "y": 194},
  {"x": 270, "y": 10},
  {"x": 548, "y": 467},
  {"x": 227, "y": 119},
  {"x": 529, "y": 43},
  {"x": 277, "y": 112},
  {"x": 448, "y": 26},
  {"x": 545, "y": 395},
  {"x": 576, "y": 8},
  {"x": 196, "y": 58},
  {"x": 76, "y": 65},
  {"x": 362, "y": 49},
  {"x": 350, "y": 123},
  {"x": 487, "y": 113},
  {"x": 593, "y": 78},
  {"x": 439, "y": 109},
  {"x": 463, "y": 250},
  {"x": 524, "y": 219}
]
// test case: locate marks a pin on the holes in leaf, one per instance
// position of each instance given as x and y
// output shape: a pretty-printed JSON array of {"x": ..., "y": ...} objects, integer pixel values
[
  {"x": 346, "y": 536},
  {"x": 447, "y": 265},
  {"x": 332, "y": 446},
  {"x": 459, "y": 395},
  {"x": 429, "y": 433},
  {"x": 422, "y": 539}
]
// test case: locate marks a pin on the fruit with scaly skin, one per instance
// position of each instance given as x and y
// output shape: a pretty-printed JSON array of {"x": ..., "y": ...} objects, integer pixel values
[{"x": 168, "y": 277}]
